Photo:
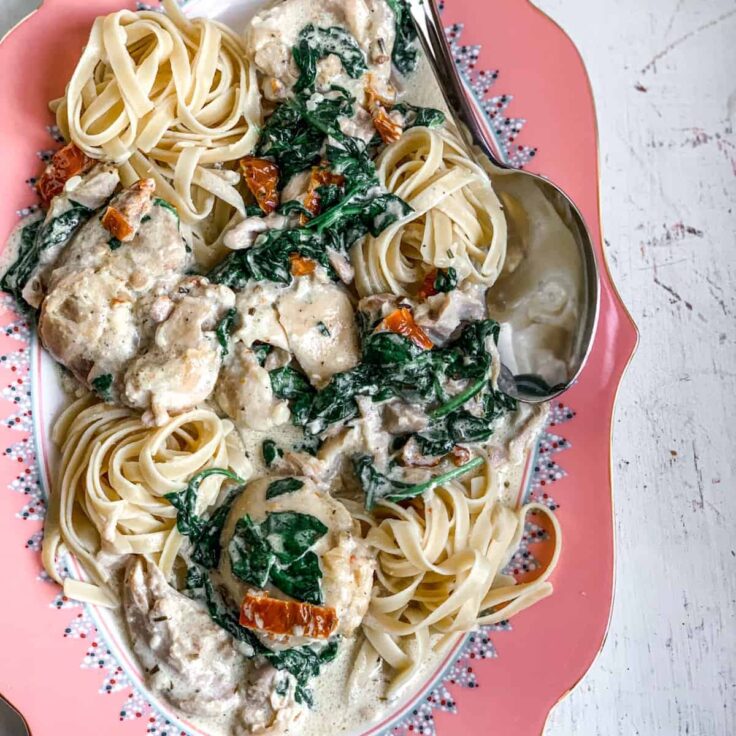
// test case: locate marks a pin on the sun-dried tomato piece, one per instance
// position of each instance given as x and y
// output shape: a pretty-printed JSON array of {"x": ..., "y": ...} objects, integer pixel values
[
  {"x": 389, "y": 130},
  {"x": 123, "y": 216},
  {"x": 115, "y": 223},
  {"x": 262, "y": 178},
  {"x": 379, "y": 106},
  {"x": 67, "y": 162},
  {"x": 321, "y": 176},
  {"x": 290, "y": 618},
  {"x": 401, "y": 321},
  {"x": 374, "y": 97},
  {"x": 301, "y": 266},
  {"x": 428, "y": 288}
]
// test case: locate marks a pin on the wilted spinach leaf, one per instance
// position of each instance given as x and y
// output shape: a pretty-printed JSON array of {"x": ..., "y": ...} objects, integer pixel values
[
  {"x": 206, "y": 547},
  {"x": 203, "y": 534},
  {"x": 293, "y": 207},
  {"x": 364, "y": 209},
  {"x": 377, "y": 486},
  {"x": 279, "y": 551},
  {"x": 300, "y": 579},
  {"x": 363, "y": 205},
  {"x": 268, "y": 259},
  {"x": 61, "y": 229},
  {"x": 456, "y": 428},
  {"x": 405, "y": 46},
  {"x": 284, "y": 485},
  {"x": 158, "y": 202},
  {"x": 453, "y": 426},
  {"x": 304, "y": 663},
  {"x": 251, "y": 556},
  {"x": 295, "y": 133},
  {"x": 102, "y": 386},
  {"x": 37, "y": 237},
  {"x": 290, "y": 385},
  {"x": 414, "y": 117},
  {"x": 336, "y": 402},
  {"x": 445, "y": 280},
  {"x": 16, "y": 277},
  {"x": 314, "y": 43},
  {"x": 224, "y": 330},
  {"x": 394, "y": 367}
]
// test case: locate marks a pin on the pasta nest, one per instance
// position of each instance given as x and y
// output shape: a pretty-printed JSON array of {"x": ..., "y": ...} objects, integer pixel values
[{"x": 457, "y": 220}]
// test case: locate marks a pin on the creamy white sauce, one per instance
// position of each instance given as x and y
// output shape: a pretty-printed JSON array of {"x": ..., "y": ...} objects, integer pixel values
[
  {"x": 286, "y": 437},
  {"x": 340, "y": 710}
]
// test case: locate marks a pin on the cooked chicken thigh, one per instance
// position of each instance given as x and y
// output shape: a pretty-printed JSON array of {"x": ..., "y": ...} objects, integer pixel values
[
  {"x": 95, "y": 318},
  {"x": 119, "y": 309},
  {"x": 346, "y": 563},
  {"x": 91, "y": 190},
  {"x": 311, "y": 320},
  {"x": 180, "y": 369},
  {"x": 245, "y": 394},
  {"x": 188, "y": 659},
  {"x": 273, "y": 32},
  {"x": 195, "y": 665}
]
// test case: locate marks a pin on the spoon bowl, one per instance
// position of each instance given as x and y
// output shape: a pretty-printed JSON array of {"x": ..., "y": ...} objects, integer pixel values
[{"x": 547, "y": 296}]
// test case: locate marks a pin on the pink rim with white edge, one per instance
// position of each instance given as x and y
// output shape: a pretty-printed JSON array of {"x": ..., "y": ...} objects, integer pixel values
[{"x": 63, "y": 668}]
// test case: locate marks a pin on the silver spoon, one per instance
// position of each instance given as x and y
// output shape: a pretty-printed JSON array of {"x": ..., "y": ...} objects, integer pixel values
[{"x": 541, "y": 373}]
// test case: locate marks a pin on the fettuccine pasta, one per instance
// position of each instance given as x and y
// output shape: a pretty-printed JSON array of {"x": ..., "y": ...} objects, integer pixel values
[
  {"x": 107, "y": 499},
  {"x": 457, "y": 221},
  {"x": 167, "y": 98},
  {"x": 439, "y": 574}
]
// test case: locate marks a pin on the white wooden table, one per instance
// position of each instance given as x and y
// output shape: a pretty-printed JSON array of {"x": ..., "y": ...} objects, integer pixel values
[{"x": 663, "y": 76}]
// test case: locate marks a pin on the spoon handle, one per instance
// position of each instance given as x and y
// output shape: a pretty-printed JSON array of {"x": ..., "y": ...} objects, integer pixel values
[{"x": 466, "y": 113}]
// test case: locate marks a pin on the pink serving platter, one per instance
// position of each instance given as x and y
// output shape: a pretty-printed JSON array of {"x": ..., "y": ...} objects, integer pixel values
[{"x": 62, "y": 665}]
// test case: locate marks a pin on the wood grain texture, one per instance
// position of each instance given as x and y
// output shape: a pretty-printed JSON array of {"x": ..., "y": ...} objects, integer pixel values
[{"x": 662, "y": 73}]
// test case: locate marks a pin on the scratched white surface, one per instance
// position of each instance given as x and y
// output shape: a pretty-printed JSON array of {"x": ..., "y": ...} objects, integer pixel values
[{"x": 663, "y": 72}]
